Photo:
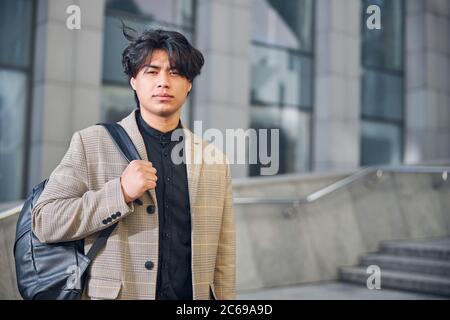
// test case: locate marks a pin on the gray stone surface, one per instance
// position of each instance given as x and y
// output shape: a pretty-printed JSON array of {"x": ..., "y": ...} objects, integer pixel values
[
  {"x": 375, "y": 201},
  {"x": 331, "y": 290},
  {"x": 410, "y": 265},
  {"x": 427, "y": 81},
  {"x": 8, "y": 286}
]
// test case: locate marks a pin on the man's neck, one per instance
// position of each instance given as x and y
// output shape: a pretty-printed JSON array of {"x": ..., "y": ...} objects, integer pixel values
[{"x": 160, "y": 123}]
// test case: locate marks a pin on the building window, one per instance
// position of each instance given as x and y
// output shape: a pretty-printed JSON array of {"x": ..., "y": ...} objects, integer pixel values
[
  {"x": 282, "y": 77},
  {"x": 117, "y": 94},
  {"x": 382, "y": 85},
  {"x": 15, "y": 64}
]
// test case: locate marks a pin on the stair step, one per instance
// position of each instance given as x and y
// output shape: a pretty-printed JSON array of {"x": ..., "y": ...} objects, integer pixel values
[
  {"x": 436, "y": 267},
  {"x": 407, "y": 281},
  {"x": 438, "y": 249}
]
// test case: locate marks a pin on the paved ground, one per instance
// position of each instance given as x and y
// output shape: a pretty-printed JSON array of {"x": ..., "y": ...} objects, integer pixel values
[{"x": 331, "y": 291}]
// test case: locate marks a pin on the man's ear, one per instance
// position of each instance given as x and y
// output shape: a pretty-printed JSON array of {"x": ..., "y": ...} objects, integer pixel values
[
  {"x": 133, "y": 83},
  {"x": 189, "y": 87}
]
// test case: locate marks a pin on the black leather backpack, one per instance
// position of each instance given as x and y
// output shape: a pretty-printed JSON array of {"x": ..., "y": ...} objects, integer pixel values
[{"x": 58, "y": 270}]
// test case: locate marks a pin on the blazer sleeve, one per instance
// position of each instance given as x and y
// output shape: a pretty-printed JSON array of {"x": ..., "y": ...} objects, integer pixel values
[
  {"x": 225, "y": 271},
  {"x": 67, "y": 209}
]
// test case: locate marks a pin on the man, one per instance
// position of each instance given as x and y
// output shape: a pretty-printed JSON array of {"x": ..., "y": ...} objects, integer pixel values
[{"x": 175, "y": 234}]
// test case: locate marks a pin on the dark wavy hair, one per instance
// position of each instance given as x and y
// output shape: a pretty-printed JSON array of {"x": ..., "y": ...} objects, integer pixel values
[{"x": 183, "y": 57}]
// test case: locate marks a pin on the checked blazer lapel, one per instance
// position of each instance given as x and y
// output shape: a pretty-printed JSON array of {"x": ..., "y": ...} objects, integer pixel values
[{"x": 193, "y": 148}]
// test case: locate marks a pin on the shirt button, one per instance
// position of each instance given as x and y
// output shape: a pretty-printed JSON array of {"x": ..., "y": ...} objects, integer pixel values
[
  {"x": 149, "y": 265},
  {"x": 151, "y": 209},
  {"x": 168, "y": 179},
  {"x": 167, "y": 235}
]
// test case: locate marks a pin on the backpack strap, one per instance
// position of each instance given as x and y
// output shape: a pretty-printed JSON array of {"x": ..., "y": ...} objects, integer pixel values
[
  {"x": 100, "y": 241},
  {"x": 128, "y": 150},
  {"x": 122, "y": 140}
]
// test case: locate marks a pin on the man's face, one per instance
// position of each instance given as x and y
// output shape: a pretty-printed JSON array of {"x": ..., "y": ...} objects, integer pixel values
[{"x": 160, "y": 89}]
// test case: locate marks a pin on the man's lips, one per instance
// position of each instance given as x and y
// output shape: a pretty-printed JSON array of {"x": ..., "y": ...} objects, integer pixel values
[{"x": 163, "y": 97}]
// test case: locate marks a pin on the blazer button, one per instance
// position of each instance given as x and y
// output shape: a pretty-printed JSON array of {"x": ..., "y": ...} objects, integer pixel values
[
  {"x": 149, "y": 265},
  {"x": 109, "y": 219},
  {"x": 151, "y": 209},
  {"x": 105, "y": 221},
  {"x": 113, "y": 216},
  {"x": 118, "y": 214}
]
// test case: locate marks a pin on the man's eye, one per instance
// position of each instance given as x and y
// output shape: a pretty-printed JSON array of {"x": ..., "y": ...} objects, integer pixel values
[
  {"x": 151, "y": 72},
  {"x": 174, "y": 72}
]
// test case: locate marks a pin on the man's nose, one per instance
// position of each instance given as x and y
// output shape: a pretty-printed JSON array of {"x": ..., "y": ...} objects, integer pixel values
[{"x": 163, "y": 80}]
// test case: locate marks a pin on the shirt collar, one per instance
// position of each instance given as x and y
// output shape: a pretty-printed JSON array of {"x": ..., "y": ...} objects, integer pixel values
[{"x": 152, "y": 132}]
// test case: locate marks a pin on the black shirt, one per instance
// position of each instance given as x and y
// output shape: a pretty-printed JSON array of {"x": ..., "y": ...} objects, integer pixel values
[{"x": 174, "y": 279}]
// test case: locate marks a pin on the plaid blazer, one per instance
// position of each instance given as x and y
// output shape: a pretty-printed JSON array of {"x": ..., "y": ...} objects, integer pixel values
[{"x": 84, "y": 191}]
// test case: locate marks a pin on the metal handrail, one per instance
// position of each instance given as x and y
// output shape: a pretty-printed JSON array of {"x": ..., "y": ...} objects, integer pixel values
[
  {"x": 316, "y": 194},
  {"x": 296, "y": 200},
  {"x": 11, "y": 212}
]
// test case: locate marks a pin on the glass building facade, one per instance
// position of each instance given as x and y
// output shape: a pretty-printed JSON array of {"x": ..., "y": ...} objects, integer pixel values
[
  {"x": 282, "y": 70},
  {"x": 281, "y": 94},
  {"x": 382, "y": 102},
  {"x": 16, "y": 19}
]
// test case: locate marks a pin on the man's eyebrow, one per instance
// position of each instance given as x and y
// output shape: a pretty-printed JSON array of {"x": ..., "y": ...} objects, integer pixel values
[
  {"x": 157, "y": 67},
  {"x": 151, "y": 66}
]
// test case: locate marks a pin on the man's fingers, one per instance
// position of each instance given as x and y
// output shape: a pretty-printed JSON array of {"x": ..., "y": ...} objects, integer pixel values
[
  {"x": 151, "y": 185},
  {"x": 147, "y": 170}
]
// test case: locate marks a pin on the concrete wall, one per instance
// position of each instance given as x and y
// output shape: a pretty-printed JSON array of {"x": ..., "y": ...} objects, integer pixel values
[
  {"x": 427, "y": 55},
  {"x": 336, "y": 123},
  {"x": 8, "y": 285},
  {"x": 310, "y": 245},
  {"x": 66, "y": 80}
]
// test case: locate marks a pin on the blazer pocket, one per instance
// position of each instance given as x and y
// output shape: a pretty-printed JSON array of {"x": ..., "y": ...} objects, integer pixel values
[
  {"x": 103, "y": 289},
  {"x": 212, "y": 292}
]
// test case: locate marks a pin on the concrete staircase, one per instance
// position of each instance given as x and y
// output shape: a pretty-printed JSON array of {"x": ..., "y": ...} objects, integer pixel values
[{"x": 414, "y": 265}]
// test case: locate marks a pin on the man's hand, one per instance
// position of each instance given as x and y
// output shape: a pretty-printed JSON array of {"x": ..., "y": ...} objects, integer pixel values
[{"x": 138, "y": 177}]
